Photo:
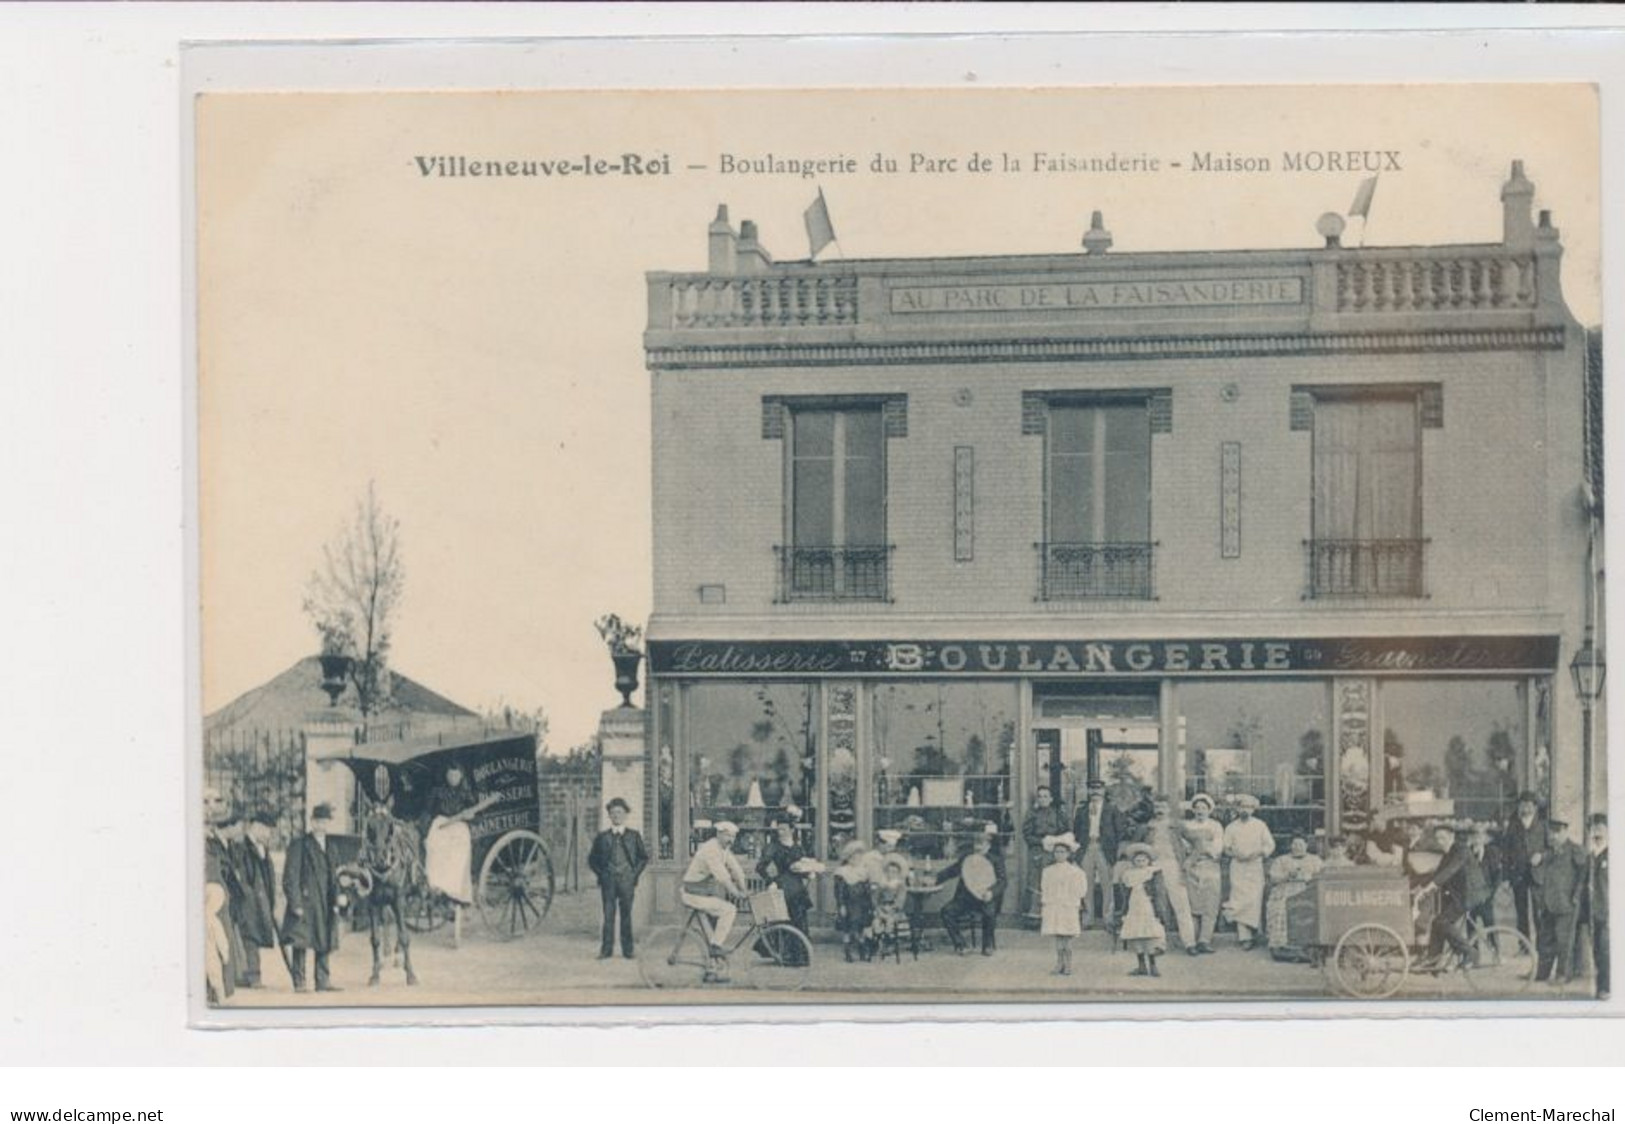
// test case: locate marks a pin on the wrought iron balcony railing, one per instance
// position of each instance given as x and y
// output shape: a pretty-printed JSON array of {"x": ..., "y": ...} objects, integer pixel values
[
  {"x": 1367, "y": 567},
  {"x": 834, "y": 573},
  {"x": 1078, "y": 571}
]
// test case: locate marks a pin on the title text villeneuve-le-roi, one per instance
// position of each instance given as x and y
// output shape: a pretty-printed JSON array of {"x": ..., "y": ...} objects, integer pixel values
[{"x": 589, "y": 165}]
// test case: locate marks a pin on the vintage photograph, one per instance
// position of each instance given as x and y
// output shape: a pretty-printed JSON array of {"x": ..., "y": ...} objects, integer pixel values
[{"x": 1087, "y": 545}]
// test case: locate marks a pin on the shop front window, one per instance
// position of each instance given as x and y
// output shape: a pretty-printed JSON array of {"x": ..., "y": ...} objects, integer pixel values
[
  {"x": 1268, "y": 740},
  {"x": 1461, "y": 741},
  {"x": 942, "y": 760},
  {"x": 752, "y": 752}
]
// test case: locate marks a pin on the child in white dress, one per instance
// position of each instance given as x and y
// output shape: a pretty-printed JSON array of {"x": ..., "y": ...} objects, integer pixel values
[
  {"x": 1141, "y": 930},
  {"x": 1062, "y": 891}
]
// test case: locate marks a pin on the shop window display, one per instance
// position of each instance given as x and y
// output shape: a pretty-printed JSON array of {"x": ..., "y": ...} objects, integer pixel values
[
  {"x": 942, "y": 761},
  {"x": 752, "y": 752},
  {"x": 1461, "y": 741},
  {"x": 1267, "y": 740}
]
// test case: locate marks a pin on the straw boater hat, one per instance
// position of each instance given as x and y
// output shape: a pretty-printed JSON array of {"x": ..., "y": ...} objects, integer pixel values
[
  {"x": 1129, "y": 850},
  {"x": 1066, "y": 839},
  {"x": 1202, "y": 798}
]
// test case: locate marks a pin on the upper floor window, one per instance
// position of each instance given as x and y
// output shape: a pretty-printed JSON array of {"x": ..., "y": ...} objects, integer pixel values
[
  {"x": 1098, "y": 510},
  {"x": 1367, "y": 494},
  {"x": 836, "y": 516}
]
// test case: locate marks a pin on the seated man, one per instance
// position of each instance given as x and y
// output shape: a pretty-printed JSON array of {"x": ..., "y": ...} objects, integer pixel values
[
  {"x": 714, "y": 877},
  {"x": 977, "y": 896},
  {"x": 1461, "y": 885}
]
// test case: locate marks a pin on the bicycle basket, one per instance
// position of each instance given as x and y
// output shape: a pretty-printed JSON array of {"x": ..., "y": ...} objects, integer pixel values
[{"x": 768, "y": 905}]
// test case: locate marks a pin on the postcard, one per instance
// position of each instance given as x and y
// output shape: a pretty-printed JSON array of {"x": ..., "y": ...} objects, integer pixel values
[{"x": 713, "y": 548}]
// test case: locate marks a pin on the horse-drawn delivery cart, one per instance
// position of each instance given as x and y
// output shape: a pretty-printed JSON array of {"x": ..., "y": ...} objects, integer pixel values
[{"x": 399, "y": 785}]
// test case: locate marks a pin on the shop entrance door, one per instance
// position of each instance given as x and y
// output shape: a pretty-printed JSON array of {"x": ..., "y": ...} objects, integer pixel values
[
  {"x": 1080, "y": 738},
  {"x": 1073, "y": 752}
]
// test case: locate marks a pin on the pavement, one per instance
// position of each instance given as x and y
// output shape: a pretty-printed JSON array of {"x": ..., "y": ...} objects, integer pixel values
[{"x": 557, "y": 965}]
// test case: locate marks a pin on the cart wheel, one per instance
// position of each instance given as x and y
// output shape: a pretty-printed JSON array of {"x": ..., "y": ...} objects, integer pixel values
[
  {"x": 423, "y": 910},
  {"x": 515, "y": 890},
  {"x": 673, "y": 957},
  {"x": 1370, "y": 962},
  {"x": 781, "y": 959},
  {"x": 1502, "y": 961}
]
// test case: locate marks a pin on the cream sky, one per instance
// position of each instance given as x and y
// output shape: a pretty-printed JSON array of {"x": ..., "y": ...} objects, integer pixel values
[{"x": 474, "y": 346}]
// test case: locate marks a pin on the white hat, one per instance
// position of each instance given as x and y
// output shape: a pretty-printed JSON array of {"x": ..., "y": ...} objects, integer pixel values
[
  {"x": 1065, "y": 839},
  {"x": 990, "y": 829},
  {"x": 727, "y": 827},
  {"x": 1202, "y": 798},
  {"x": 1247, "y": 800},
  {"x": 888, "y": 835}
]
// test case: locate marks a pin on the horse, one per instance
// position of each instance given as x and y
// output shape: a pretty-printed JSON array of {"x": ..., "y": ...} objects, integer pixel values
[{"x": 391, "y": 854}]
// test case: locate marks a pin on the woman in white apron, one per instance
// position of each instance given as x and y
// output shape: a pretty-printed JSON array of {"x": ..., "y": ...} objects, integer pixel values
[{"x": 448, "y": 848}]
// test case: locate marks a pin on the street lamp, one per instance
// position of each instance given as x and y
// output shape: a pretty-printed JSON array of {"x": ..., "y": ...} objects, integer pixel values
[{"x": 1588, "y": 669}]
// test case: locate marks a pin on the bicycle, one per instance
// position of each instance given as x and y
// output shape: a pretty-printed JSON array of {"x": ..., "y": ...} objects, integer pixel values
[
  {"x": 1371, "y": 960},
  {"x": 778, "y": 958}
]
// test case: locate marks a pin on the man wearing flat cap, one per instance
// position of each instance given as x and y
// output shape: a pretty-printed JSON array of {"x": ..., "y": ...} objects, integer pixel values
[
  {"x": 312, "y": 888},
  {"x": 1098, "y": 827},
  {"x": 1559, "y": 872},
  {"x": 617, "y": 859}
]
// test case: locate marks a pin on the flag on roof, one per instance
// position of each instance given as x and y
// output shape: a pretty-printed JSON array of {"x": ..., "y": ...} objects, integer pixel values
[
  {"x": 1362, "y": 198},
  {"x": 820, "y": 231}
]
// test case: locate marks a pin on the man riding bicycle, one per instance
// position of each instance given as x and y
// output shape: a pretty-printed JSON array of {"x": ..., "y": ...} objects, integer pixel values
[
  {"x": 714, "y": 877},
  {"x": 1462, "y": 887}
]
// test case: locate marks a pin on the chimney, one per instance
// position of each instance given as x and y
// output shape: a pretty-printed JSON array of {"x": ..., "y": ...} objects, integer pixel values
[
  {"x": 1517, "y": 203},
  {"x": 752, "y": 258},
  {"x": 721, "y": 242},
  {"x": 1098, "y": 240},
  {"x": 1546, "y": 232}
]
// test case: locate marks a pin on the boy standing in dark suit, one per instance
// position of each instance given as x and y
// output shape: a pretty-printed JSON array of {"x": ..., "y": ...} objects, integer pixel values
[{"x": 617, "y": 858}]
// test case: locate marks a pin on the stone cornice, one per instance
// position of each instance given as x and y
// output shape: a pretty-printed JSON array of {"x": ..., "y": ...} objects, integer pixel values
[{"x": 789, "y": 354}]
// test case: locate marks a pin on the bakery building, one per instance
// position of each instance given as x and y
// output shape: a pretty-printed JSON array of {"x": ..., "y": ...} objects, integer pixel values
[{"x": 1312, "y": 525}]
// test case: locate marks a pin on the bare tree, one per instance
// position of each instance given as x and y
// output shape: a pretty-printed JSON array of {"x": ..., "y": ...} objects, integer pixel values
[{"x": 353, "y": 595}]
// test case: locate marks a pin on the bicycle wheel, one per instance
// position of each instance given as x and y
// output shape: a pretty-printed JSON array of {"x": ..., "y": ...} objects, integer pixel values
[
  {"x": 1502, "y": 961},
  {"x": 1370, "y": 962},
  {"x": 780, "y": 959},
  {"x": 673, "y": 957}
]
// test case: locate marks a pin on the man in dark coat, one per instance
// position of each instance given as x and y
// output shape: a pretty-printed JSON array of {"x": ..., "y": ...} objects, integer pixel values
[
  {"x": 255, "y": 907},
  {"x": 970, "y": 904},
  {"x": 617, "y": 858},
  {"x": 1594, "y": 899},
  {"x": 1488, "y": 854},
  {"x": 1559, "y": 873},
  {"x": 312, "y": 889},
  {"x": 1462, "y": 888},
  {"x": 1525, "y": 835},
  {"x": 1098, "y": 829}
]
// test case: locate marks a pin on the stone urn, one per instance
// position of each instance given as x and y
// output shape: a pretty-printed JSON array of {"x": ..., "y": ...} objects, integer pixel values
[
  {"x": 335, "y": 676},
  {"x": 626, "y": 673}
]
